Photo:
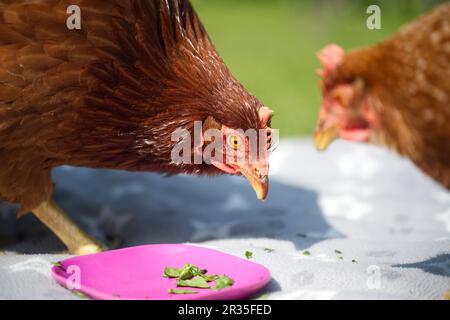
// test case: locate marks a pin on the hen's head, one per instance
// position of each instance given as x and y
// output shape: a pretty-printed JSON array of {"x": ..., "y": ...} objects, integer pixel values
[
  {"x": 197, "y": 87},
  {"x": 239, "y": 151},
  {"x": 345, "y": 112}
]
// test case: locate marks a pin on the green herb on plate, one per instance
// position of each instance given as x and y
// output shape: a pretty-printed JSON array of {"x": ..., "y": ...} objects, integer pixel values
[
  {"x": 210, "y": 278},
  {"x": 189, "y": 271},
  {"x": 196, "y": 282},
  {"x": 268, "y": 250},
  {"x": 223, "y": 282},
  {"x": 248, "y": 254},
  {"x": 171, "y": 272},
  {"x": 306, "y": 253},
  {"x": 192, "y": 276},
  {"x": 337, "y": 251},
  {"x": 179, "y": 291}
]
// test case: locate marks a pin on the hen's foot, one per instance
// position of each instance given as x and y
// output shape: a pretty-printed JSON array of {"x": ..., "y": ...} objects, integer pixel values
[
  {"x": 87, "y": 249},
  {"x": 447, "y": 295},
  {"x": 77, "y": 241}
]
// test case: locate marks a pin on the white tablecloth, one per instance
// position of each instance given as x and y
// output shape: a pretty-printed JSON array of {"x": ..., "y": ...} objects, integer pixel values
[{"x": 390, "y": 223}]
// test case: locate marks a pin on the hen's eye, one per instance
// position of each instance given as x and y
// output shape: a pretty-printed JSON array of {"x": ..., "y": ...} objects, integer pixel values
[
  {"x": 342, "y": 96},
  {"x": 234, "y": 141}
]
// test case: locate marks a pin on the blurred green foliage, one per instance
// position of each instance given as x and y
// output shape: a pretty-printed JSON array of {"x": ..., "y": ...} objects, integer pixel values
[{"x": 270, "y": 45}]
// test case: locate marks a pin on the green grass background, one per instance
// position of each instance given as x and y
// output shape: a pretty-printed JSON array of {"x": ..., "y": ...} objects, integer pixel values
[{"x": 270, "y": 45}]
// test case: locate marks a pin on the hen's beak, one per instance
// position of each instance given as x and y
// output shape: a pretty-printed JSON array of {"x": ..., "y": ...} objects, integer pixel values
[
  {"x": 323, "y": 138},
  {"x": 256, "y": 174}
]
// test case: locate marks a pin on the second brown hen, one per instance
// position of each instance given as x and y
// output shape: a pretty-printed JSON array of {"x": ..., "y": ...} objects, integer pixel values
[{"x": 395, "y": 94}]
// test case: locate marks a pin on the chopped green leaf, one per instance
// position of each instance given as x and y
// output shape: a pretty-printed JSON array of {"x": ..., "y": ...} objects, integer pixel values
[
  {"x": 171, "y": 272},
  {"x": 179, "y": 291},
  {"x": 340, "y": 258},
  {"x": 354, "y": 261},
  {"x": 223, "y": 282},
  {"x": 210, "y": 278},
  {"x": 196, "y": 282},
  {"x": 189, "y": 271},
  {"x": 58, "y": 264},
  {"x": 194, "y": 277},
  {"x": 306, "y": 253},
  {"x": 248, "y": 254},
  {"x": 337, "y": 251},
  {"x": 268, "y": 250}
]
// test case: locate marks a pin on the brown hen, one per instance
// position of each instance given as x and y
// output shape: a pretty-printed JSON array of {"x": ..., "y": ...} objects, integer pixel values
[
  {"x": 395, "y": 94},
  {"x": 110, "y": 95}
]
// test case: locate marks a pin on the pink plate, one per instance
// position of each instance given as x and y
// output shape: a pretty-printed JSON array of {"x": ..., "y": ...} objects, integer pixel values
[{"x": 136, "y": 273}]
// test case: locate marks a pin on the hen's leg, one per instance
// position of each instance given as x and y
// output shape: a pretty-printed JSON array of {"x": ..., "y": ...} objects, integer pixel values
[
  {"x": 447, "y": 295},
  {"x": 76, "y": 240}
]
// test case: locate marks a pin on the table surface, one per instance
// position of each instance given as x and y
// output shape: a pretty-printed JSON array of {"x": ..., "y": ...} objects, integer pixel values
[{"x": 374, "y": 226}]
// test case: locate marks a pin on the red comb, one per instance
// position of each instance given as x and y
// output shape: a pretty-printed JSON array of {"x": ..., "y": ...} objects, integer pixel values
[{"x": 330, "y": 57}]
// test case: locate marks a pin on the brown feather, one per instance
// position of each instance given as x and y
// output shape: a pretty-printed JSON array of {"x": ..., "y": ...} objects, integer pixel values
[{"x": 135, "y": 72}]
